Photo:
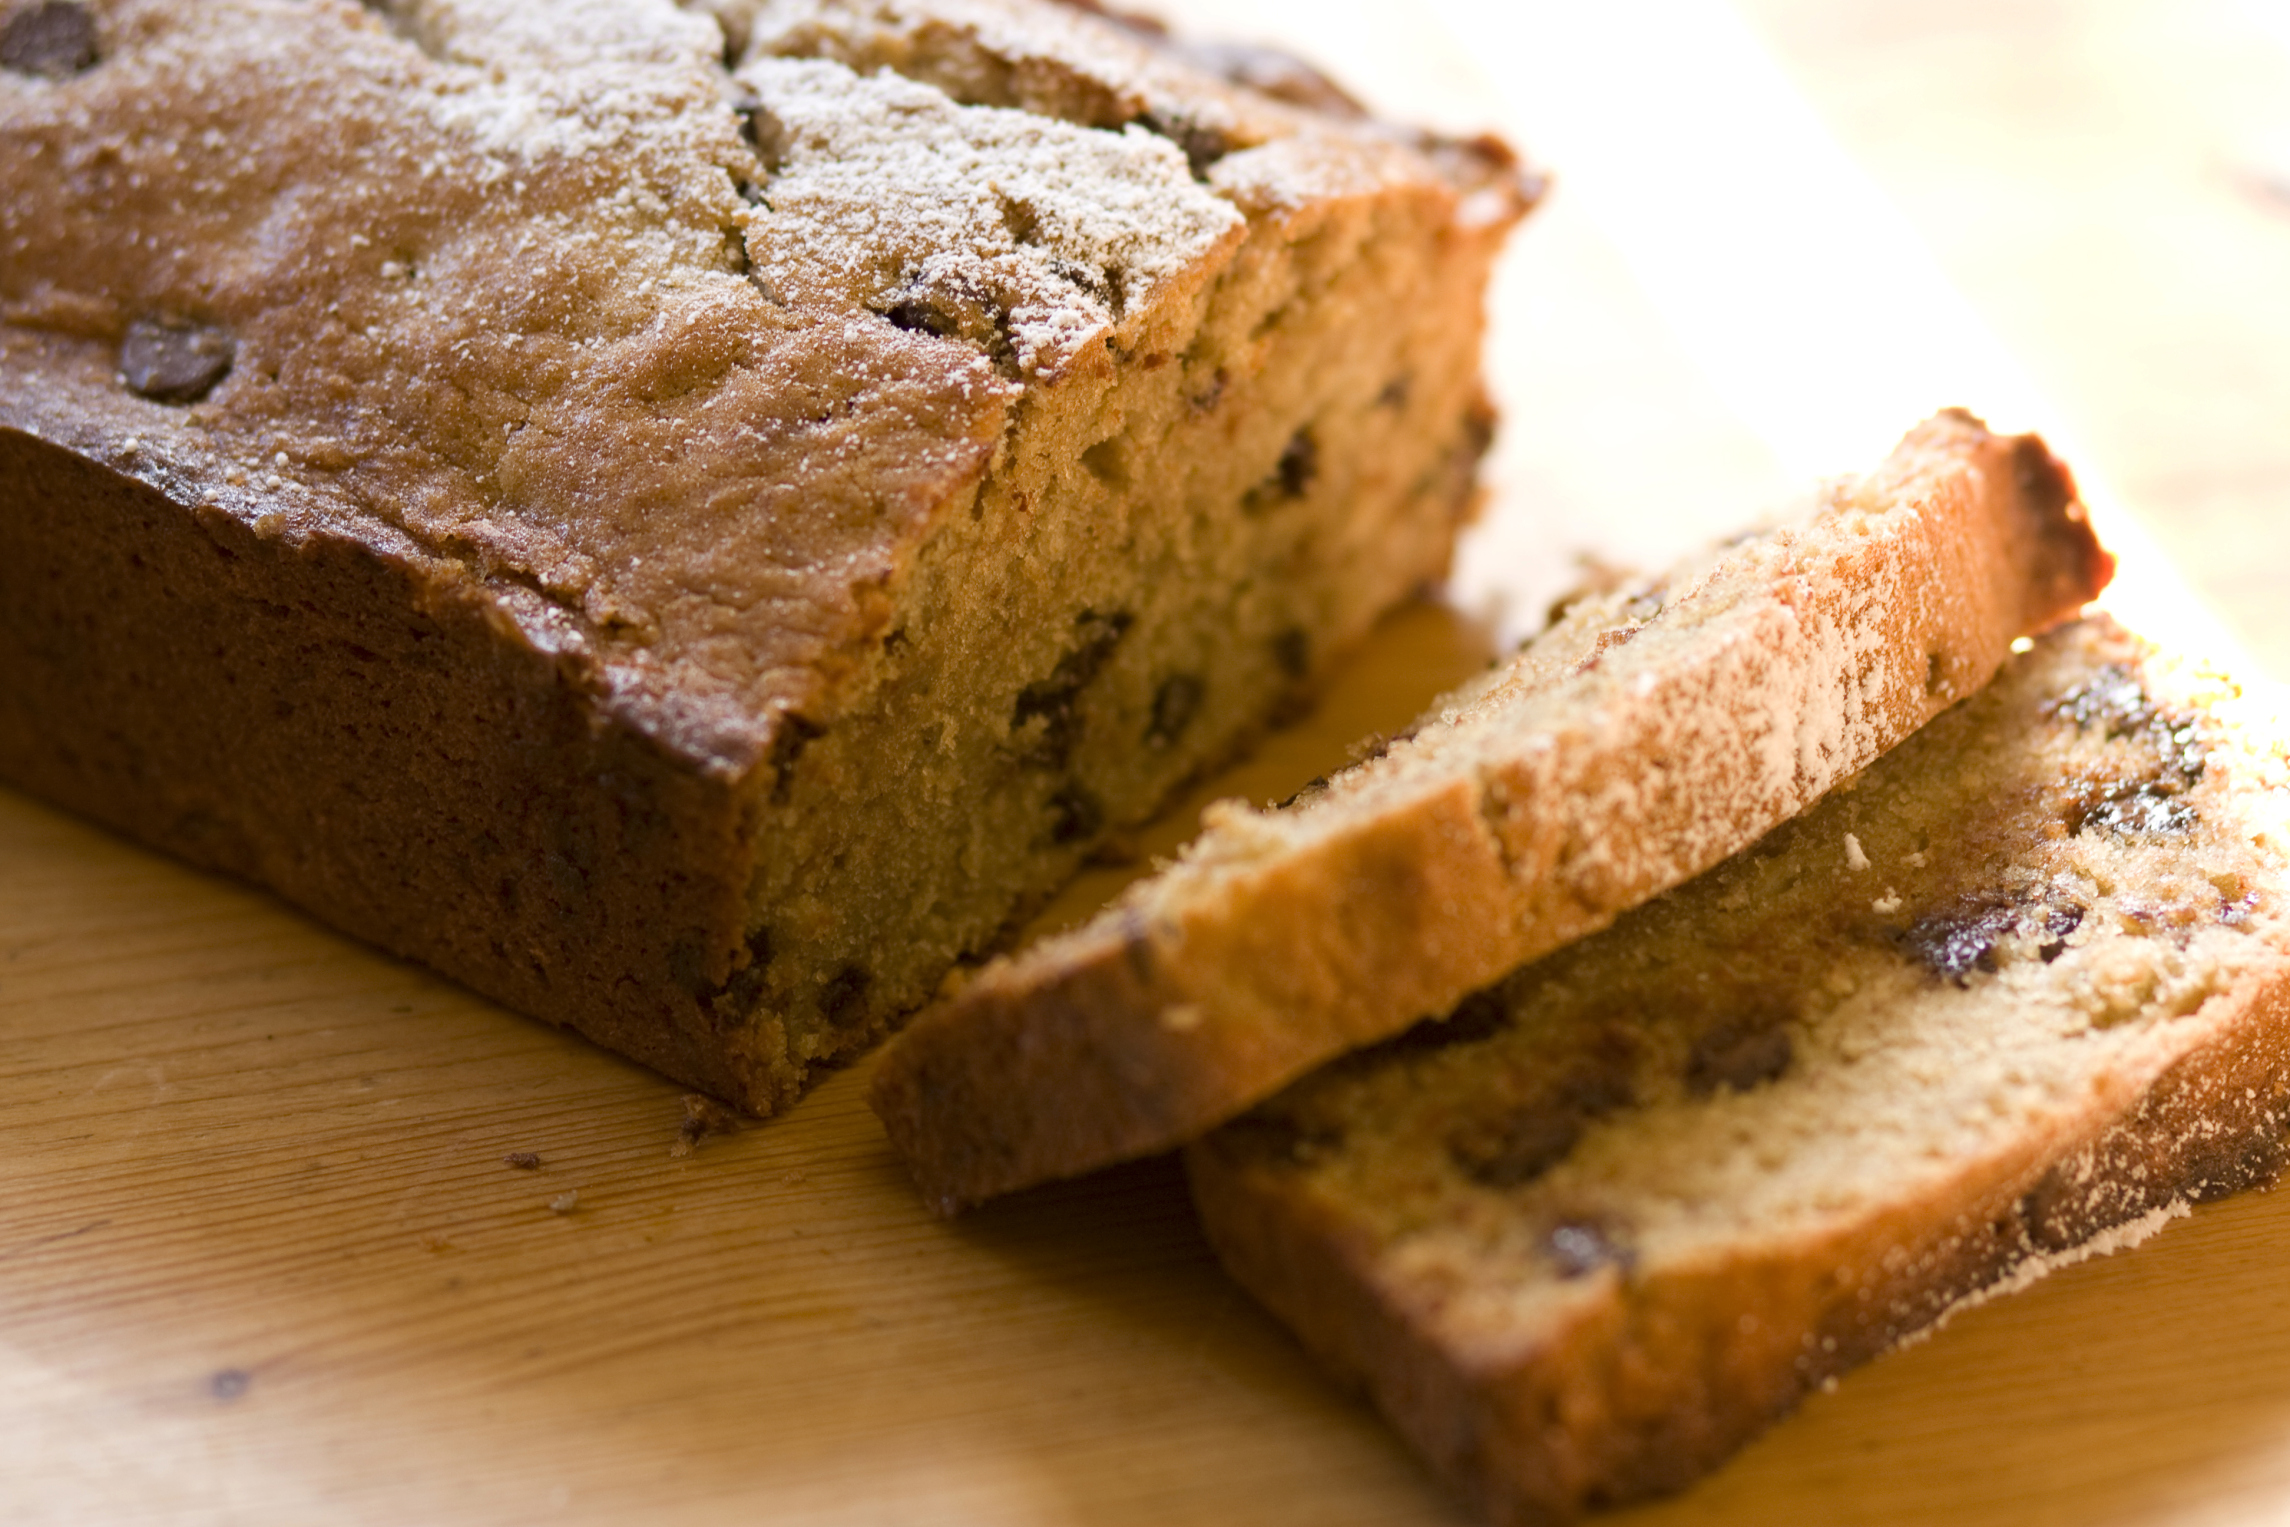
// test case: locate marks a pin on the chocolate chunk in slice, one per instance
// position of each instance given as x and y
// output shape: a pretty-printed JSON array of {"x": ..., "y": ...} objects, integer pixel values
[
  {"x": 1737, "y": 1056},
  {"x": 175, "y": 362},
  {"x": 54, "y": 39}
]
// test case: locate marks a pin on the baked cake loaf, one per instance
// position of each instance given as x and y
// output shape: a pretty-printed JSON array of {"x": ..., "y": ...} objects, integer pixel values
[
  {"x": 1651, "y": 732},
  {"x": 688, "y": 522},
  {"x": 2026, "y": 980}
]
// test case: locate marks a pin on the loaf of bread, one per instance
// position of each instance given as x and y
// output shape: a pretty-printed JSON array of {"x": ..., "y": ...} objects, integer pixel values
[
  {"x": 1651, "y": 732},
  {"x": 689, "y": 519},
  {"x": 2025, "y": 981}
]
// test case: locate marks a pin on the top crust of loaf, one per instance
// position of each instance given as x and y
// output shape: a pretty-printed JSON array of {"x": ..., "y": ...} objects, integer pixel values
[
  {"x": 512, "y": 292},
  {"x": 1648, "y": 735}
]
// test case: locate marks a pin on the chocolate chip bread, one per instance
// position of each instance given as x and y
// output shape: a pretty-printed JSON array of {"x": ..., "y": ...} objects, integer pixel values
[
  {"x": 1651, "y": 732},
  {"x": 2026, "y": 980},
  {"x": 687, "y": 519}
]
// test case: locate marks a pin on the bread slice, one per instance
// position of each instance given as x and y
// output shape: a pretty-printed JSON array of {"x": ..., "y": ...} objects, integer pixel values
[
  {"x": 1651, "y": 732},
  {"x": 2025, "y": 980},
  {"x": 691, "y": 544}
]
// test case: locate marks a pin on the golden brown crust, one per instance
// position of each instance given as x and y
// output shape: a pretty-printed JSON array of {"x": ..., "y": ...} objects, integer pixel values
[
  {"x": 424, "y": 778},
  {"x": 1643, "y": 739}
]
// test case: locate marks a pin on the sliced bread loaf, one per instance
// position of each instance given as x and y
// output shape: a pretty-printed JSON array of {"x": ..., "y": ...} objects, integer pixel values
[
  {"x": 1651, "y": 732},
  {"x": 2026, "y": 980},
  {"x": 689, "y": 522}
]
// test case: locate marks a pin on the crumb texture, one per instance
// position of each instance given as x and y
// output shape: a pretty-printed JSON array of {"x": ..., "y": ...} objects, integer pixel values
[{"x": 1653, "y": 730}]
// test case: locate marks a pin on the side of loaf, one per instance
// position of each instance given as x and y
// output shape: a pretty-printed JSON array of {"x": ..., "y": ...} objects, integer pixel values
[
  {"x": 2024, "y": 982},
  {"x": 688, "y": 519},
  {"x": 1650, "y": 733}
]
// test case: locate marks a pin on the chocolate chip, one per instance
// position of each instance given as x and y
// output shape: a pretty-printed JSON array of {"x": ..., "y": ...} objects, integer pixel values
[
  {"x": 955, "y": 309},
  {"x": 1959, "y": 939},
  {"x": 1075, "y": 815},
  {"x": 730, "y": 1004},
  {"x": 55, "y": 40},
  {"x": 1738, "y": 1056},
  {"x": 1299, "y": 464},
  {"x": 1513, "y": 1152},
  {"x": 1175, "y": 704},
  {"x": 1598, "y": 1085},
  {"x": 523, "y": 1161},
  {"x": 175, "y": 362},
  {"x": 2145, "y": 808},
  {"x": 794, "y": 735},
  {"x": 1581, "y": 1247},
  {"x": 2112, "y": 701},
  {"x": 1292, "y": 650},
  {"x": 1054, "y": 701},
  {"x": 842, "y": 999},
  {"x": 2059, "y": 921},
  {"x": 1292, "y": 475},
  {"x": 1103, "y": 285},
  {"x": 2142, "y": 797},
  {"x": 1203, "y": 144},
  {"x": 917, "y": 316},
  {"x": 765, "y": 132}
]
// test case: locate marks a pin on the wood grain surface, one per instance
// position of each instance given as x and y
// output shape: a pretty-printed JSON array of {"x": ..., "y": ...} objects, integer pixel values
[{"x": 263, "y": 1258}]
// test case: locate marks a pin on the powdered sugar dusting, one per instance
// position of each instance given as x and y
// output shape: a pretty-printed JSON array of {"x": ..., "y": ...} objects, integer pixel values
[
  {"x": 1052, "y": 60},
  {"x": 523, "y": 82},
  {"x": 1026, "y": 237}
]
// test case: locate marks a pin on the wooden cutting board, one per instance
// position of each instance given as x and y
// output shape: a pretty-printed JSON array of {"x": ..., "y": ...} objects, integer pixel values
[{"x": 263, "y": 1258}]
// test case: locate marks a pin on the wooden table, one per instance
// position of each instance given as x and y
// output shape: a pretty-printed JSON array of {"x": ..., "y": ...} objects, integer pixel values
[{"x": 262, "y": 1261}]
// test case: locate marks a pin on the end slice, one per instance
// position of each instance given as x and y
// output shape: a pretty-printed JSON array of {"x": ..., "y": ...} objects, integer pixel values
[
  {"x": 2027, "y": 981},
  {"x": 1649, "y": 734}
]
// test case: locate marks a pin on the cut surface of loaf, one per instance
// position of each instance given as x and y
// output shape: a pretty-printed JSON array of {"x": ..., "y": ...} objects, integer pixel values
[
  {"x": 2026, "y": 980},
  {"x": 688, "y": 519},
  {"x": 1651, "y": 732}
]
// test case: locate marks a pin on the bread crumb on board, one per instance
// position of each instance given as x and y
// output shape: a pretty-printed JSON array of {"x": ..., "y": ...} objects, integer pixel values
[{"x": 703, "y": 1116}]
